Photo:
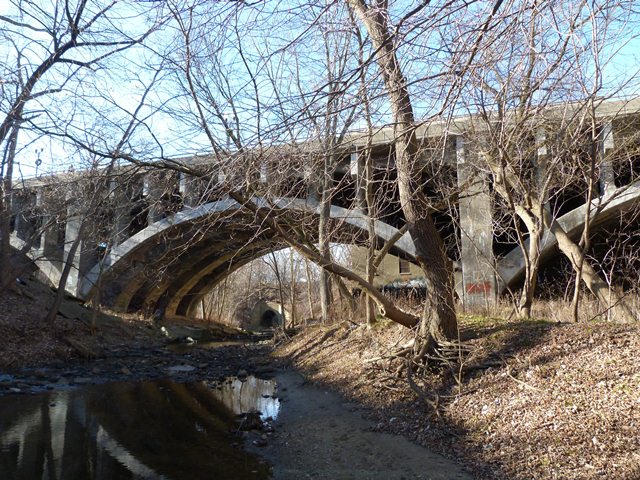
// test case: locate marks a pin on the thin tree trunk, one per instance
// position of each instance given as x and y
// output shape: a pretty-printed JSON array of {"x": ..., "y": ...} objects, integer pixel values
[
  {"x": 323, "y": 242},
  {"x": 280, "y": 288},
  {"x": 221, "y": 304},
  {"x": 292, "y": 290},
  {"x": 607, "y": 297},
  {"x": 586, "y": 231},
  {"x": 309, "y": 293}
]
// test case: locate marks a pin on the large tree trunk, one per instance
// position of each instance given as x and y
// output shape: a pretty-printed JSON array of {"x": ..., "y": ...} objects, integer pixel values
[
  {"x": 439, "y": 318},
  {"x": 531, "y": 275}
]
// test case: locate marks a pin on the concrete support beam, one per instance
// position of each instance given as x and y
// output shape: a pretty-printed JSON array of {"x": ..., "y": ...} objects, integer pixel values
[
  {"x": 540, "y": 162},
  {"x": 86, "y": 254},
  {"x": 356, "y": 169},
  {"x": 152, "y": 191},
  {"x": 189, "y": 189},
  {"x": 51, "y": 246},
  {"x": 605, "y": 146},
  {"x": 263, "y": 176},
  {"x": 478, "y": 264},
  {"x": 22, "y": 205},
  {"x": 72, "y": 230},
  {"x": 313, "y": 179},
  {"x": 121, "y": 200}
]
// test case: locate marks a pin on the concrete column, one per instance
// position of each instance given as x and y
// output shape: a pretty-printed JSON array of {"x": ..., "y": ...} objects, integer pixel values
[
  {"x": 122, "y": 200},
  {"x": 189, "y": 190},
  {"x": 50, "y": 246},
  {"x": 23, "y": 203},
  {"x": 51, "y": 249},
  {"x": 313, "y": 179},
  {"x": 264, "y": 173},
  {"x": 71, "y": 232},
  {"x": 605, "y": 146},
  {"x": 477, "y": 261},
  {"x": 86, "y": 256},
  {"x": 222, "y": 181},
  {"x": 356, "y": 169},
  {"x": 540, "y": 162},
  {"x": 152, "y": 194}
]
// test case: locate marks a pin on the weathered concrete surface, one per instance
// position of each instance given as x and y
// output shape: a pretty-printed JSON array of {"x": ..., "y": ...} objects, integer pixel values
[
  {"x": 196, "y": 277},
  {"x": 476, "y": 231}
]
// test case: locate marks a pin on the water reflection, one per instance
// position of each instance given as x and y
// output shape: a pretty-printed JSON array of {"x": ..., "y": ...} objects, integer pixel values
[
  {"x": 153, "y": 430},
  {"x": 249, "y": 394}
]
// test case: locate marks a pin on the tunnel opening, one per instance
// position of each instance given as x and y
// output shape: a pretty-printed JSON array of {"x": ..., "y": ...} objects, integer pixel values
[{"x": 269, "y": 319}]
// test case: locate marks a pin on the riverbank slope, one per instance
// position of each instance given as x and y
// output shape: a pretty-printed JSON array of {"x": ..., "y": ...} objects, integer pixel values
[{"x": 530, "y": 400}]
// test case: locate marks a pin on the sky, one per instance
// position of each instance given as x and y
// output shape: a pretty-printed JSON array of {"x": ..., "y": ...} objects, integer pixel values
[{"x": 103, "y": 107}]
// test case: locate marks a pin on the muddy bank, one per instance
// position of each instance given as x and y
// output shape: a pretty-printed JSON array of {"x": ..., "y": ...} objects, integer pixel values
[
  {"x": 531, "y": 400},
  {"x": 320, "y": 435}
]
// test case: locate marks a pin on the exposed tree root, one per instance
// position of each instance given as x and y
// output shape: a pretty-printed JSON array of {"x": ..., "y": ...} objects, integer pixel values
[{"x": 420, "y": 355}]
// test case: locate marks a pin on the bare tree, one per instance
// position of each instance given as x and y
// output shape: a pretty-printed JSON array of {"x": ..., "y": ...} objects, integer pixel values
[
  {"x": 54, "y": 51},
  {"x": 536, "y": 128}
]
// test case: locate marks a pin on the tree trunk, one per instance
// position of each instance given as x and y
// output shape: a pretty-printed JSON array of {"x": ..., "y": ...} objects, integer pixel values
[
  {"x": 6, "y": 275},
  {"x": 280, "y": 289},
  {"x": 323, "y": 243},
  {"x": 309, "y": 294},
  {"x": 532, "y": 266},
  {"x": 292, "y": 290},
  {"x": 439, "y": 317}
]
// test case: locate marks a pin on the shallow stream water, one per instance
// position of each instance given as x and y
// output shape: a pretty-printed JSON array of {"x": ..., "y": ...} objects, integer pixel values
[{"x": 144, "y": 430}]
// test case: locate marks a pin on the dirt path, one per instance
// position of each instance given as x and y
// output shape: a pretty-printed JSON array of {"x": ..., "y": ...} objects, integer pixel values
[{"x": 319, "y": 435}]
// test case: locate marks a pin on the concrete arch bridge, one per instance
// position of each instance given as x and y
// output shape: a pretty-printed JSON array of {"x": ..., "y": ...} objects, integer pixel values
[
  {"x": 167, "y": 255},
  {"x": 172, "y": 263}
]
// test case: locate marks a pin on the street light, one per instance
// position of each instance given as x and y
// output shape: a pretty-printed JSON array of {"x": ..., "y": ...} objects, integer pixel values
[{"x": 38, "y": 160}]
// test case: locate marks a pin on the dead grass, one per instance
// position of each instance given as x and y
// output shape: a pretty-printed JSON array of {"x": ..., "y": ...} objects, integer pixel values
[{"x": 533, "y": 400}]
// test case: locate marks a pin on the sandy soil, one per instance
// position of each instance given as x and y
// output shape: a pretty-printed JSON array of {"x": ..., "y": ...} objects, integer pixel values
[{"x": 320, "y": 435}]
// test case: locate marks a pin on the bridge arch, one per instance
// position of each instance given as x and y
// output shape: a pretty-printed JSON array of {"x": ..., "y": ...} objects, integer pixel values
[
  {"x": 170, "y": 264},
  {"x": 511, "y": 268}
]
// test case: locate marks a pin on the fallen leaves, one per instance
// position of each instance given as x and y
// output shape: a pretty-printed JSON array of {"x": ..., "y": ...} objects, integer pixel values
[{"x": 540, "y": 401}]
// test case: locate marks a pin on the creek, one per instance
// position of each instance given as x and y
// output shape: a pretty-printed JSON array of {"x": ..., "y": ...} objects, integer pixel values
[
  {"x": 136, "y": 430},
  {"x": 82, "y": 421}
]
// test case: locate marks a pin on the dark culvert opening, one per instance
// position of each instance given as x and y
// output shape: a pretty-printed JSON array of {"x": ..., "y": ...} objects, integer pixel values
[{"x": 269, "y": 319}]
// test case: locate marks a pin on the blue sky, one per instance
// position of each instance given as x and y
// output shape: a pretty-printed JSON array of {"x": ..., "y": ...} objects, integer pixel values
[{"x": 109, "y": 95}]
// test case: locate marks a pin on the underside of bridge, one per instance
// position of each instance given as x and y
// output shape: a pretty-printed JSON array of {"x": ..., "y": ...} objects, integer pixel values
[{"x": 168, "y": 267}]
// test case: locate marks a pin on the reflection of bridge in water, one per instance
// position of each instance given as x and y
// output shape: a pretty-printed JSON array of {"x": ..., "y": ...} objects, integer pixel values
[
  {"x": 170, "y": 237},
  {"x": 154, "y": 430}
]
